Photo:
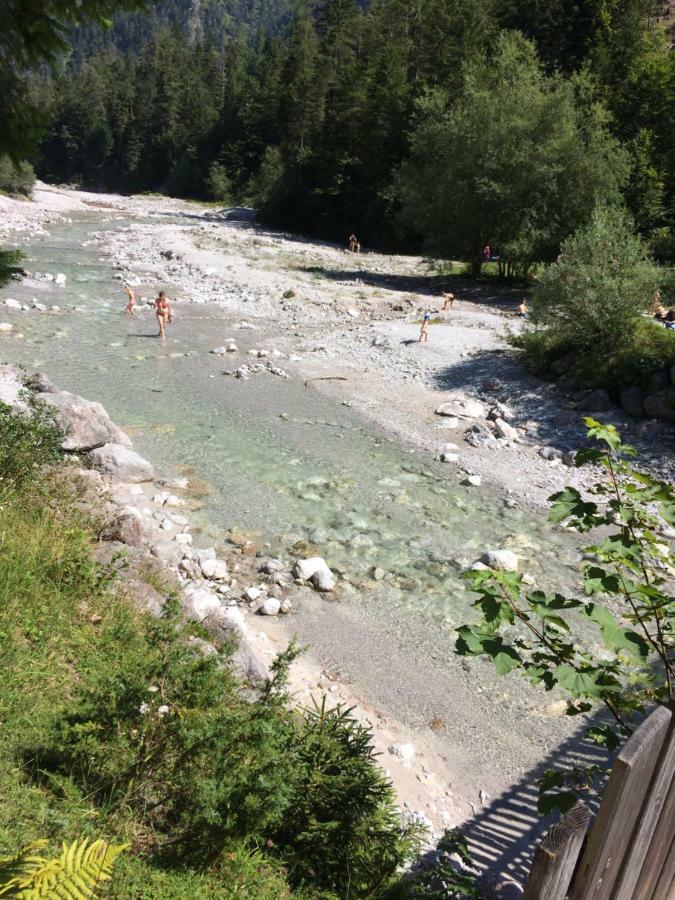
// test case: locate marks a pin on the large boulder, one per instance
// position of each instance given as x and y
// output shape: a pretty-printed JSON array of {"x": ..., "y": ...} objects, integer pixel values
[
  {"x": 504, "y": 430},
  {"x": 631, "y": 400},
  {"x": 84, "y": 423},
  {"x": 661, "y": 405},
  {"x": 597, "y": 400},
  {"x": 121, "y": 463}
]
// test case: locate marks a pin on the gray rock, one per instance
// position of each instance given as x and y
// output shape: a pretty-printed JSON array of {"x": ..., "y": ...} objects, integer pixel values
[
  {"x": 473, "y": 481},
  {"x": 550, "y": 453},
  {"x": 505, "y": 560},
  {"x": 42, "y": 384},
  {"x": 316, "y": 571},
  {"x": 631, "y": 401},
  {"x": 122, "y": 464},
  {"x": 214, "y": 569},
  {"x": 505, "y": 430},
  {"x": 271, "y": 607},
  {"x": 11, "y": 386},
  {"x": 463, "y": 406},
  {"x": 661, "y": 405},
  {"x": 596, "y": 401},
  {"x": 85, "y": 424},
  {"x": 168, "y": 551},
  {"x": 271, "y": 566},
  {"x": 127, "y": 528},
  {"x": 481, "y": 437}
]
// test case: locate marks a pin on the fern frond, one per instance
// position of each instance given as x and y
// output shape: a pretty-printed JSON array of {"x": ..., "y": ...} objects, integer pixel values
[
  {"x": 16, "y": 871},
  {"x": 75, "y": 875}
]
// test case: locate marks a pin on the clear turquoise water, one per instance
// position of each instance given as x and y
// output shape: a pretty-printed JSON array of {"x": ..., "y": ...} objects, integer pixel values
[{"x": 284, "y": 462}]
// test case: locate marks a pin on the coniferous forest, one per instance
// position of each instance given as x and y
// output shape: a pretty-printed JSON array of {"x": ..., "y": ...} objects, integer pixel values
[{"x": 414, "y": 123}]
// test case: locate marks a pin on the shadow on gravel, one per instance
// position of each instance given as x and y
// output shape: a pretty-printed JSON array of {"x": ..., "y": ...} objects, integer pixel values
[
  {"x": 498, "y": 375},
  {"x": 503, "y": 835},
  {"x": 499, "y": 296}
]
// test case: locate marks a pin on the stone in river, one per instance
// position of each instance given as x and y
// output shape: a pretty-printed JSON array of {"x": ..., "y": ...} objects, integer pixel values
[
  {"x": 122, "y": 464},
  {"x": 6, "y": 326},
  {"x": 12, "y": 304},
  {"x": 317, "y": 572},
  {"x": 505, "y": 560}
]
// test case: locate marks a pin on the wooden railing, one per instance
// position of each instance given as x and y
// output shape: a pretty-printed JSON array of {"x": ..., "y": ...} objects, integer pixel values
[{"x": 630, "y": 852}]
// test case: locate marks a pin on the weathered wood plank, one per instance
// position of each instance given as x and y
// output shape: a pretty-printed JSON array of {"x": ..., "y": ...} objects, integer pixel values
[
  {"x": 557, "y": 855},
  {"x": 654, "y": 833},
  {"x": 620, "y": 810},
  {"x": 665, "y": 889}
]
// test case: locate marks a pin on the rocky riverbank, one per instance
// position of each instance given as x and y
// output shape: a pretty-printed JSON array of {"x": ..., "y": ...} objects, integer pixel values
[{"x": 232, "y": 589}]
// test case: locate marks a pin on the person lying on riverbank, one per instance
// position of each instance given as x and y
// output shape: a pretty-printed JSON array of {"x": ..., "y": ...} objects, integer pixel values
[{"x": 163, "y": 312}]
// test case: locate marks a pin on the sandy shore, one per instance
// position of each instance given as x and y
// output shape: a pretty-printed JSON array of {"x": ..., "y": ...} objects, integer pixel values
[{"x": 347, "y": 325}]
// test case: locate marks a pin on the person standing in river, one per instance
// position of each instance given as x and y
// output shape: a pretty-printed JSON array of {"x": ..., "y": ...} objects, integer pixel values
[
  {"x": 129, "y": 309},
  {"x": 424, "y": 331},
  {"x": 163, "y": 312}
]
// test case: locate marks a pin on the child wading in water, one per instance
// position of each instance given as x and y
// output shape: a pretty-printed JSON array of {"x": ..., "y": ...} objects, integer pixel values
[
  {"x": 163, "y": 312},
  {"x": 129, "y": 309}
]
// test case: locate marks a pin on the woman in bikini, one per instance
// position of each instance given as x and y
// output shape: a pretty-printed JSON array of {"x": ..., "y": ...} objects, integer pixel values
[{"x": 163, "y": 312}]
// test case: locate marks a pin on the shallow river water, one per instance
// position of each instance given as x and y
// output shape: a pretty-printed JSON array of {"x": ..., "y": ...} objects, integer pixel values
[{"x": 284, "y": 463}]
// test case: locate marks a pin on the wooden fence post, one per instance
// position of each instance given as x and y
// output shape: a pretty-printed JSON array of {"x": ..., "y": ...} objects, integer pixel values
[
  {"x": 654, "y": 835},
  {"x": 620, "y": 810},
  {"x": 556, "y": 856}
]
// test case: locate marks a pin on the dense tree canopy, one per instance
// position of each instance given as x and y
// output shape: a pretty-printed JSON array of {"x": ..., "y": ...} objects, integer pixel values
[
  {"x": 517, "y": 161},
  {"x": 318, "y": 110}
]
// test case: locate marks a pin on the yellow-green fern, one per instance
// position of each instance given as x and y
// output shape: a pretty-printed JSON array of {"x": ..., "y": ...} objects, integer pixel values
[{"x": 74, "y": 875}]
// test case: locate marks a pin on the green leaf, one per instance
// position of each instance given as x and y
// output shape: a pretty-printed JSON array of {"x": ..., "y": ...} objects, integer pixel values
[
  {"x": 560, "y": 801},
  {"x": 568, "y": 503},
  {"x": 579, "y": 684},
  {"x": 504, "y": 657},
  {"x": 606, "y": 736},
  {"x": 469, "y": 643},
  {"x": 598, "y": 581},
  {"x": 614, "y": 636}
]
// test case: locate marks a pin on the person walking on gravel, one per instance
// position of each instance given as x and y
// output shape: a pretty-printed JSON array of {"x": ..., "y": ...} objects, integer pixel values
[
  {"x": 424, "y": 331},
  {"x": 163, "y": 312},
  {"x": 129, "y": 309}
]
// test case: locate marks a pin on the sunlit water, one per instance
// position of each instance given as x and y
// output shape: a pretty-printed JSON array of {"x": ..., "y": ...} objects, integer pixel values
[{"x": 284, "y": 463}]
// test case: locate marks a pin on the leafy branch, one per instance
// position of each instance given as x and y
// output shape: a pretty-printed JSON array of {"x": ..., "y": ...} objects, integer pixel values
[{"x": 628, "y": 604}]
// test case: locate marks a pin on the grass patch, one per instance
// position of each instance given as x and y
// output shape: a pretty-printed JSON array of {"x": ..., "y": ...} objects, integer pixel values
[{"x": 114, "y": 726}]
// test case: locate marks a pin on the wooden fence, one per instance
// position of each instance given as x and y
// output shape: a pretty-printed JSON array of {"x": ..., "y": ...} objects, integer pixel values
[{"x": 630, "y": 851}]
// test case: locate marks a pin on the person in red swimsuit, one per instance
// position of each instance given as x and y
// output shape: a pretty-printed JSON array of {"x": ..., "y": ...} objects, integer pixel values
[{"x": 163, "y": 312}]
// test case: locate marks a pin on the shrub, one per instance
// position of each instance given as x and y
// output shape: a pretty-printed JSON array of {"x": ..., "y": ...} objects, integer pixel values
[
  {"x": 26, "y": 444},
  {"x": 218, "y": 183},
  {"x": 9, "y": 265},
  {"x": 16, "y": 179},
  {"x": 614, "y": 648},
  {"x": 594, "y": 297},
  {"x": 262, "y": 185}
]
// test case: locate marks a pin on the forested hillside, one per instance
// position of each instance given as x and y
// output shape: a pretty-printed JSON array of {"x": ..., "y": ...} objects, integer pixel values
[{"x": 342, "y": 116}]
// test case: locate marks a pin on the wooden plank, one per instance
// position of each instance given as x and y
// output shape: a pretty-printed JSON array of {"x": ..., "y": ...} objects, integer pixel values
[
  {"x": 665, "y": 889},
  {"x": 654, "y": 834},
  {"x": 620, "y": 810},
  {"x": 556, "y": 856}
]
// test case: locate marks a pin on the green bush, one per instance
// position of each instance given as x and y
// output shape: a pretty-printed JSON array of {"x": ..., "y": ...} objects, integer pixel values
[
  {"x": 16, "y": 179},
  {"x": 647, "y": 353},
  {"x": 9, "y": 265},
  {"x": 262, "y": 185},
  {"x": 218, "y": 183},
  {"x": 594, "y": 297},
  {"x": 26, "y": 444}
]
